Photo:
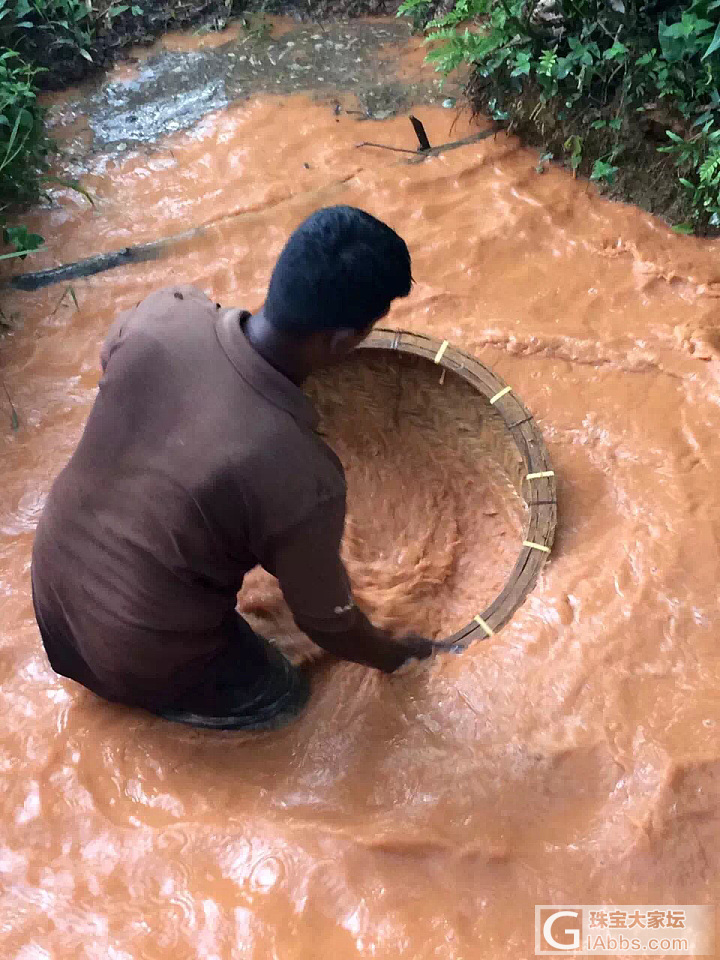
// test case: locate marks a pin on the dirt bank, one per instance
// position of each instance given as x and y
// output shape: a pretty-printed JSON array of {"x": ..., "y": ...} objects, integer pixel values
[{"x": 644, "y": 177}]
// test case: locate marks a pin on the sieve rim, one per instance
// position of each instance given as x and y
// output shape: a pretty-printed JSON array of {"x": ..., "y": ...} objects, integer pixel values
[{"x": 539, "y": 493}]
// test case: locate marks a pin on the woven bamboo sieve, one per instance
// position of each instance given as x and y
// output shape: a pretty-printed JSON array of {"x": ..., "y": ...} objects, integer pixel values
[{"x": 499, "y": 426}]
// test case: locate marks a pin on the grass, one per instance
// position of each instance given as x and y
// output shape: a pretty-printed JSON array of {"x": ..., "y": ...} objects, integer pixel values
[
  {"x": 33, "y": 33},
  {"x": 23, "y": 147}
]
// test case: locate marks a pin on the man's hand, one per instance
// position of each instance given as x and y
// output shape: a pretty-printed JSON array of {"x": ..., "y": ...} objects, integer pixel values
[
  {"x": 364, "y": 643},
  {"x": 412, "y": 647}
]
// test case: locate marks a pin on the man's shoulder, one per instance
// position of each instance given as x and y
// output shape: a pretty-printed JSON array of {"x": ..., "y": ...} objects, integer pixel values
[
  {"x": 175, "y": 320},
  {"x": 175, "y": 303}
]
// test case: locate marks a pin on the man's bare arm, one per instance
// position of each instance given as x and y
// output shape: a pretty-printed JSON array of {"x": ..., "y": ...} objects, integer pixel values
[
  {"x": 317, "y": 589},
  {"x": 364, "y": 643}
]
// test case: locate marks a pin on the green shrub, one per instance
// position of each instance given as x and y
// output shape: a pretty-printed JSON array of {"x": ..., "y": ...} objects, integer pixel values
[
  {"x": 46, "y": 32},
  {"x": 617, "y": 60},
  {"x": 35, "y": 37},
  {"x": 23, "y": 145}
]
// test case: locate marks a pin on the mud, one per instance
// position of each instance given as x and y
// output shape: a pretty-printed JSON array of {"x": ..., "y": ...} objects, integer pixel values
[
  {"x": 112, "y": 37},
  {"x": 171, "y": 85},
  {"x": 571, "y": 759}
]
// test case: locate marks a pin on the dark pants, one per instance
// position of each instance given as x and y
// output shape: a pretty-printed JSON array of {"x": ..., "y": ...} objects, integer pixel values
[{"x": 251, "y": 685}]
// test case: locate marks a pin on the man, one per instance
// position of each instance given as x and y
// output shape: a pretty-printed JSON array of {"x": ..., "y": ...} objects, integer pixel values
[{"x": 200, "y": 460}]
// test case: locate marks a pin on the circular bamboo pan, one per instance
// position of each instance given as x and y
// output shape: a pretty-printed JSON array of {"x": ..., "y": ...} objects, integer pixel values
[{"x": 526, "y": 462}]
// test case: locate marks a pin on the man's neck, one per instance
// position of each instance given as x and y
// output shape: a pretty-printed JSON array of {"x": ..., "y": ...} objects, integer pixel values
[{"x": 281, "y": 351}]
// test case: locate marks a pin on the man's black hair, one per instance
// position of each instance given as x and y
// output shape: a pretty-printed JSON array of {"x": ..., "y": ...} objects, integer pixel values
[{"x": 341, "y": 268}]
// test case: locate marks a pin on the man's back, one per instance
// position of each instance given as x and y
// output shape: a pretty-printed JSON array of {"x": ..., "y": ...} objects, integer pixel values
[{"x": 197, "y": 461}]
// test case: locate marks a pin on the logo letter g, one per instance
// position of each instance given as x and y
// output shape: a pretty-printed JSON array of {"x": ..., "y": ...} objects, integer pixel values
[{"x": 575, "y": 934}]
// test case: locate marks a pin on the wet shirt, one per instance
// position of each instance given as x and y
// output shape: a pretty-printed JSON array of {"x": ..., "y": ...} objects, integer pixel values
[{"x": 198, "y": 462}]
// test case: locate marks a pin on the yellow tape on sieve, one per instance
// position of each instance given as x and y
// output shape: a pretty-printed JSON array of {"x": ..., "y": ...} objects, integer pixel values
[
  {"x": 486, "y": 626},
  {"x": 536, "y": 546},
  {"x": 499, "y": 394}
]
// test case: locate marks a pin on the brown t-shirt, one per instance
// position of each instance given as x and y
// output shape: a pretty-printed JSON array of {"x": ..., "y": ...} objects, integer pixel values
[{"x": 199, "y": 461}]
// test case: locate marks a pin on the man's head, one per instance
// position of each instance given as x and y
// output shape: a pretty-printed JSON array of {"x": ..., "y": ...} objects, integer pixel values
[{"x": 337, "y": 276}]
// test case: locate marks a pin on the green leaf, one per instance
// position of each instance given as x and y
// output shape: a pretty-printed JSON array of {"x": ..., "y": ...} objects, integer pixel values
[
  {"x": 84, "y": 53},
  {"x": 23, "y": 241},
  {"x": 564, "y": 67},
  {"x": 685, "y": 228},
  {"x": 710, "y": 168},
  {"x": 11, "y": 142},
  {"x": 522, "y": 65},
  {"x": 700, "y": 26},
  {"x": 688, "y": 25},
  {"x": 21, "y": 253},
  {"x": 616, "y": 51},
  {"x": 26, "y": 119},
  {"x": 702, "y": 119},
  {"x": 603, "y": 171},
  {"x": 714, "y": 44}
]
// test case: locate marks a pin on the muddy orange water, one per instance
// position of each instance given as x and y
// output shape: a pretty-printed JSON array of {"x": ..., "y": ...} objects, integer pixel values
[{"x": 574, "y": 758}]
